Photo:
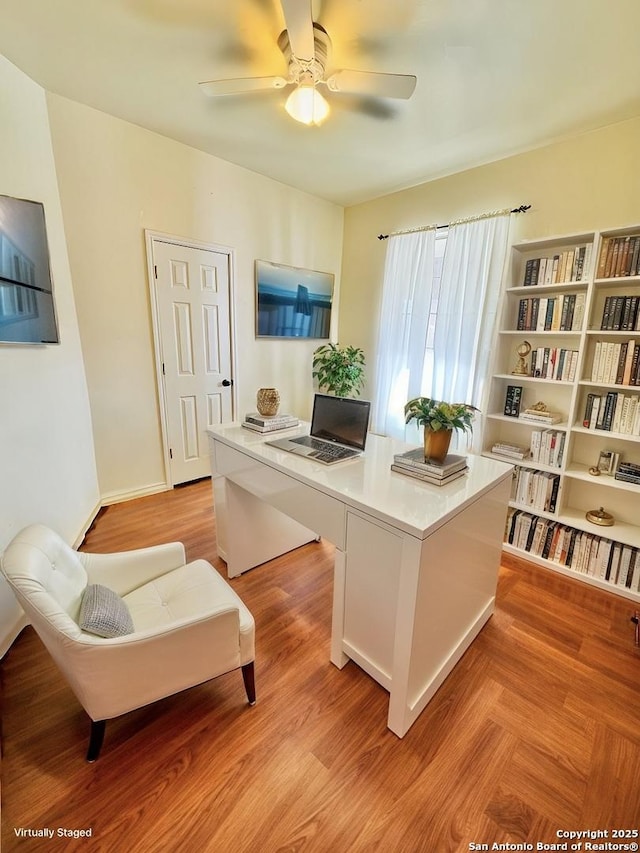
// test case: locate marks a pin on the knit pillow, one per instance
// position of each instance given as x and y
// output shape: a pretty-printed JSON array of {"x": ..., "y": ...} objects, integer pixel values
[{"x": 104, "y": 613}]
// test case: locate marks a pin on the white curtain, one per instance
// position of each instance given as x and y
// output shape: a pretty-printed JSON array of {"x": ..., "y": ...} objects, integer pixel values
[
  {"x": 465, "y": 323},
  {"x": 466, "y": 320},
  {"x": 406, "y": 299}
]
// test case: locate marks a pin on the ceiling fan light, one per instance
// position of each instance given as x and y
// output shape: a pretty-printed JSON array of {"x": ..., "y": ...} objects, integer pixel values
[{"x": 306, "y": 105}]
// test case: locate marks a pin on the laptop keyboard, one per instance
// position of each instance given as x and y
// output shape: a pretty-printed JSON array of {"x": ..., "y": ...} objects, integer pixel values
[{"x": 326, "y": 451}]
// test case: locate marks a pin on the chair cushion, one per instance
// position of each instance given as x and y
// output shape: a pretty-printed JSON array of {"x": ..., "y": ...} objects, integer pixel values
[
  {"x": 192, "y": 592},
  {"x": 104, "y": 613}
]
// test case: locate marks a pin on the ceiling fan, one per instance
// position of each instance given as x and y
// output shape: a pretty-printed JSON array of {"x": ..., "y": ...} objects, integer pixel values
[{"x": 306, "y": 47}]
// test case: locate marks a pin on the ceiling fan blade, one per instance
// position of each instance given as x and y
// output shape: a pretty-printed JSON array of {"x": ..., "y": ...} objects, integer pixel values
[
  {"x": 240, "y": 85},
  {"x": 298, "y": 18},
  {"x": 373, "y": 83}
]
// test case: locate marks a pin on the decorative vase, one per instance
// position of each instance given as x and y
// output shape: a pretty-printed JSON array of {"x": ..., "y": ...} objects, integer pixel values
[
  {"x": 436, "y": 444},
  {"x": 268, "y": 400}
]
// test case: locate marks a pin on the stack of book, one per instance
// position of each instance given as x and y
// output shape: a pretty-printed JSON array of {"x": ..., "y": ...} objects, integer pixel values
[
  {"x": 628, "y": 472},
  {"x": 263, "y": 423},
  {"x": 412, "y": 464},
  {"x": 540, "y": 417},
  {"x": 512, "y": 451}
]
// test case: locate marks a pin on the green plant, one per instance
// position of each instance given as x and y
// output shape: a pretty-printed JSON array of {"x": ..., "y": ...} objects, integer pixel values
[
  {"x": 436, "y": 415},
  {"x": 339, "y": 369}
]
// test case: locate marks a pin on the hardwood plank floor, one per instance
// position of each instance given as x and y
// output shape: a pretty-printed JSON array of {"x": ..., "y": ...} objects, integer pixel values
[{"x": 536, "y": 731}]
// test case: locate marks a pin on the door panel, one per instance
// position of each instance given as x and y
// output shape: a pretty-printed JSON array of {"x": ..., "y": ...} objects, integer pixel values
[{"x": 192, "y": 298}]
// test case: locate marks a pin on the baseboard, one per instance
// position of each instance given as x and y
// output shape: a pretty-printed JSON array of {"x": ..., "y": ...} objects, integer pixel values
[
  {"x": 120, "y": 497},
  {"x": 83, "y": 530},
  {"x": 116, "y": 498}
]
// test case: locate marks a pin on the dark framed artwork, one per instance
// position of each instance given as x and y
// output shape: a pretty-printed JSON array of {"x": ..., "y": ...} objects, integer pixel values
[{"x": 292, "y": 302}]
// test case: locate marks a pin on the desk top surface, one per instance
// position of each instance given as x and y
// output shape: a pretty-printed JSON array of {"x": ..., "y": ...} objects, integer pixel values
[{"x": 367, "y": 482}]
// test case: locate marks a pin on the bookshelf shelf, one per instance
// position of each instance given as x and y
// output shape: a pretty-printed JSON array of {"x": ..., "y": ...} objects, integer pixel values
[
  {"x": 544, "y": 332},
  {"x": 535, "y": 380},
  {"x": 568, "y": 287},
  {"x": 594, "y": 278}
]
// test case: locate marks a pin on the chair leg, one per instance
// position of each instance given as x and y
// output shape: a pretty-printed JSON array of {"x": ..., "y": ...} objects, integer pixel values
[
  {"x": 248, "y": 676},
  {"x": 95, "y": 740}
]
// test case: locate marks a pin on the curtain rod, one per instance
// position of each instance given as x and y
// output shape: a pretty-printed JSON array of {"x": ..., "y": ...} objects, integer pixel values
[{"x": 522, "y": 209}]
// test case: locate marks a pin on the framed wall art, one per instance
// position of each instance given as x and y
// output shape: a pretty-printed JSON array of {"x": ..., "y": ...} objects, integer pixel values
[{"x": 292, "y": 302}]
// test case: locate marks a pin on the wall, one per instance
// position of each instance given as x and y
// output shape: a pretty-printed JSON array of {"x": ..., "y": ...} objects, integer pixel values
[
  {"x": 587, "y": 183},
  {"x": 47, "y": 465},
  {"x": 116, "y": 180}
]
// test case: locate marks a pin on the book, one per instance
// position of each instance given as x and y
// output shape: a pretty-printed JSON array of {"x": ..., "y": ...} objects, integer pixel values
[
  {"x": 595, "y": 411},
  {"x": 513, "y": 399},
  {"x": 512, "y": 525},
  {"x": 270, "y": 427},
  {"x": 423, "y": 477},
  {"x": 264, "y": 420},
  {"x": 415, "y": 459},
  {"x": 586, "y": 420},
  {"x": 578, "y": 312}
]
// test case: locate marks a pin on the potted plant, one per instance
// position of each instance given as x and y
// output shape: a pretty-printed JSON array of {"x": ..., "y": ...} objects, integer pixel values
[
  {"x": 339, "y": 369},
  {"x": 439, "y": 420}
]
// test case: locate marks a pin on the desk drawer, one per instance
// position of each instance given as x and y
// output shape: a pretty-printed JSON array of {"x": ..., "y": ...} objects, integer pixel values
[{"x": 321, "y": 513}]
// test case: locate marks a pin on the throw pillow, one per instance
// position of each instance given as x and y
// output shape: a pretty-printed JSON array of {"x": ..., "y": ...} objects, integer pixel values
[{"x": 104, "y": 613}]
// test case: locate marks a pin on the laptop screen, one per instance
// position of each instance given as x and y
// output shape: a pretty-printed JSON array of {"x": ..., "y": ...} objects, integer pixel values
[{"x": 340, "y": 419}]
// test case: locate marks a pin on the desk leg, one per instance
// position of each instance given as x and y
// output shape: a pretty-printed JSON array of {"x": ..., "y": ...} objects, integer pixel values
[{"x": 338, "y": 657}]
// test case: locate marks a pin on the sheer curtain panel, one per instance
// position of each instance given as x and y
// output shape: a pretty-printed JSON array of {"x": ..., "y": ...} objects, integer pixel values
[
  {"x": 464, "y": 327},
  {"x": 466, "y": 319},
  {"x": 406, "y": 300}
]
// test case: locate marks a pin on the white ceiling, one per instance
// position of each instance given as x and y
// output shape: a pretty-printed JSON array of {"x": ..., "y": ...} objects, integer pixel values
[{"x": 495, "y": 77}]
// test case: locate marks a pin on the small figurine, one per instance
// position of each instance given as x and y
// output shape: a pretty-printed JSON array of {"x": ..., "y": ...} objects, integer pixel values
[{"x": 523, "y": 351}]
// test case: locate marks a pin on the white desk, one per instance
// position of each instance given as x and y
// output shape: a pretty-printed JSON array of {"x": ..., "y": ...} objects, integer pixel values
[{"x": 416, "y": 565}]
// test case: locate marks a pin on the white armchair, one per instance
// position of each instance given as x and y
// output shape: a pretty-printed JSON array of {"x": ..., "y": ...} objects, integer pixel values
[{"x": 189, "y": 625}]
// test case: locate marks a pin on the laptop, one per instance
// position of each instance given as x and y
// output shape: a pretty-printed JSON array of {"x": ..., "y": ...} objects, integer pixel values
[{"x": 338, "y": 431}]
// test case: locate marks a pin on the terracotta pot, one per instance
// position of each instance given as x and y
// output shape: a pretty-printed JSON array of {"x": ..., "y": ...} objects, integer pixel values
[
  {"x": 436, "y": 444},
  {"x": 267, "y": 401}
]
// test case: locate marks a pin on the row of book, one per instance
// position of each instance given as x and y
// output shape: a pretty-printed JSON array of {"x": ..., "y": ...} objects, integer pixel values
[
  {"x": 554, "y": 363},
  {"x": 620, "y": 314},
  {"x": 564, "y": 313},
  {"x": 612, "y": 412},
  {"x": 412, "y": 463},
  {"x": 616, "y": 363},
  {"x": 586, "y": 553},
  {"x": 273, "y": 423},
  {"x": 619, "y": 256},
  {"x": 567, "y": 266},
  {"x": 535, "y": 489},
  {"x": 628, "y": 472},
  {"x": 547, "y": 447}
]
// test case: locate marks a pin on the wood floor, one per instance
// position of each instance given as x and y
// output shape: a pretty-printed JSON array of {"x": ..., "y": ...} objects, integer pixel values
[{"x": 537, "y": 731}]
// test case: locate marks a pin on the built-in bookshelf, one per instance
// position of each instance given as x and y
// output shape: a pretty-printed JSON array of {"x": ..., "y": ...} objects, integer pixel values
[{"x": 575, "y": 301}]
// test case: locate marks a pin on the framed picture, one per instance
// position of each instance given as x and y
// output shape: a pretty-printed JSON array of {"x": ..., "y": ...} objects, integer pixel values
[
  {"x": 292, "y": 302},
  {"x": 608, "y": 462}
]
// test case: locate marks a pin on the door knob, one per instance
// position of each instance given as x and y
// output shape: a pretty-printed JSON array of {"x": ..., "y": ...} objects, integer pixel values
[{"x": 227, "y": 382}]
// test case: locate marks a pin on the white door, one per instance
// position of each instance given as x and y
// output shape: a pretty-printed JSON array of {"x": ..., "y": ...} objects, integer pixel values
[{"x": 193, "y": 331}]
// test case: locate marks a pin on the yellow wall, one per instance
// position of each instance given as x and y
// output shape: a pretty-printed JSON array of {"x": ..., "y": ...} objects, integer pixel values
[
  {"x": 588, "y": 183},
  {"x": 116, "y": 180}
]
